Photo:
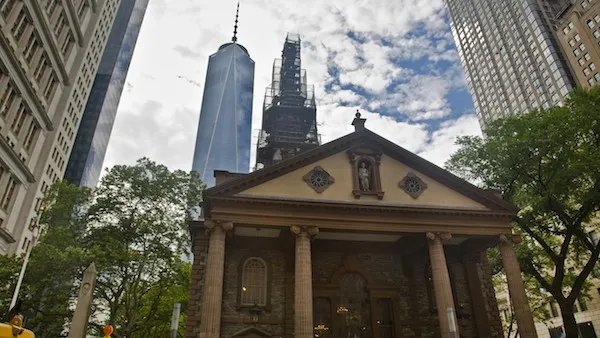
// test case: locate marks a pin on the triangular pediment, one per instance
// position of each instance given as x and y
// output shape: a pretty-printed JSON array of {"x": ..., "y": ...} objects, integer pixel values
[
  {"x": 330, "y": 173},
  {"x": 251, "y": 332}
]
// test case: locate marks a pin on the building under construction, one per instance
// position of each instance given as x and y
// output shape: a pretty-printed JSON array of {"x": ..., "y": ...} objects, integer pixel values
[{"x": 289, "y": 124}]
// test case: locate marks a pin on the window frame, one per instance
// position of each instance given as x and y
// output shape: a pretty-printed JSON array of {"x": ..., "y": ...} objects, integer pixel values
[{"x": 268, "y": 279}]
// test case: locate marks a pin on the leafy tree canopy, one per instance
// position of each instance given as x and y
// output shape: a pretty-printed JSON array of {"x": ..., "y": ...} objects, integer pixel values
[
  {"x": 133, "y": 226},
  {"x": 547, "y": 163}
]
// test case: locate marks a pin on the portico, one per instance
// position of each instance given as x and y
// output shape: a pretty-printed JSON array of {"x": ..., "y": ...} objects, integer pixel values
[{"x": 356, "y": 238}]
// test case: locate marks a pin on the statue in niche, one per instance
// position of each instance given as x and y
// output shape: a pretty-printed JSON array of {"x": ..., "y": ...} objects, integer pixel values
[{"x": 364, "y": 176}]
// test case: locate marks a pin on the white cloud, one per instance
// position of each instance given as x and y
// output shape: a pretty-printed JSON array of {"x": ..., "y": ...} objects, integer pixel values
[
  {"x": 366, "y": 42},
  {"x": 443, "y": 140}
]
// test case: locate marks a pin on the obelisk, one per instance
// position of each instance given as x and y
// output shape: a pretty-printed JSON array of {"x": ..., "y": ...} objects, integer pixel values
[{"x": 84, "y": 303}]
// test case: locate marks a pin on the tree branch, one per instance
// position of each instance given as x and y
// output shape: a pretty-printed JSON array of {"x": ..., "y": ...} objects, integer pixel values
[
  {"x": 538, "y": 239},
  {"x": 543, "y": 282},
  {"x": 588, "y": 206},
  {"x": 585, "y": 272}
]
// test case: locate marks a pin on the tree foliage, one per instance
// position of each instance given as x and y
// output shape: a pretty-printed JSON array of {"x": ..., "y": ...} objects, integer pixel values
[
  {"x": 134, "y": 228},
  {"x": 547, "y": 163}
]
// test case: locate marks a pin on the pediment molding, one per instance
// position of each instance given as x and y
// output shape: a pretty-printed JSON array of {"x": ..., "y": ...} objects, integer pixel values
[
  {"x": 369, "y": 142},
  {"x": 252, "y": 332}
]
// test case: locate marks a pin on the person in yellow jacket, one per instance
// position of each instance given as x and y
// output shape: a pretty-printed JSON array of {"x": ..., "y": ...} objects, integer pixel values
[{"x": 14, "y": 329}]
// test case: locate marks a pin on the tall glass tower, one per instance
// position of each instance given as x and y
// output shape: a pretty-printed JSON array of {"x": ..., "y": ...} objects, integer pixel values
[
  {"x": 87, "y": 157},
  {"x": 224, "y": 129},
  {"x": 510, "y": 57}
]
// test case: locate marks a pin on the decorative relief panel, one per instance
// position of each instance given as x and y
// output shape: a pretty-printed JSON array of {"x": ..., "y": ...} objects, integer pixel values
[
  {"x": 413, "y": 185},
  {"x": 365, "y": 171},
  {"x": 318, "y": 179}
]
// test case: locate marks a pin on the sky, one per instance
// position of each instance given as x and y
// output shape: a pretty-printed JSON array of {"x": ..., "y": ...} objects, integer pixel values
[{"x": 394, "y": 60}]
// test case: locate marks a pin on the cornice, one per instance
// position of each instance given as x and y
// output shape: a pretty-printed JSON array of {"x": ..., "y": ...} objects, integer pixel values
[
  {"x": 15, "y": 158},
  {"x": 7, "y": 236},
  {"x": 355, "y": 206},
  {"x": 28, "y": 89}
]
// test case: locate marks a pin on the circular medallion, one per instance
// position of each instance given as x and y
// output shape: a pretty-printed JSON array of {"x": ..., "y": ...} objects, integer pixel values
[
  {"x": 412, "y": 185},
  {"x": 319, "y": 179}
]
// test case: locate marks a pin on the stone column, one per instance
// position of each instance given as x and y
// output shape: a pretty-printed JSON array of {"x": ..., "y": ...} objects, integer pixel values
[
  {"x": 210, "y": 324},
  {"x": 516, "y": 287},
  {"x": 442, "y": 286},
  {"x": 303, "y": 299}
]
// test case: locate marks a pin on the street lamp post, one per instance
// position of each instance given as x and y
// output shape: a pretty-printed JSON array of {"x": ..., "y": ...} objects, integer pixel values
[{"x": 35, "y": 233}]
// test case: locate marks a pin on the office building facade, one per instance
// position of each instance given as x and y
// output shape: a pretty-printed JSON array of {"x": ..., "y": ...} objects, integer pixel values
[
  {"x": 577, "y": 27},
  {"x": 49, "y": 55},
  {"x": 509, "y": 55},
  {"x": 85, "y": 163},
  {"x": 289, "y": 123},
  {"x": 224, "y": 129}
]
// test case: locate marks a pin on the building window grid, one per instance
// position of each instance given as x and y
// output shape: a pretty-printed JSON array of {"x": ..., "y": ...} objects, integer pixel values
[
  {"x": 6, "y": 6},
  {"x": 31, "y": 49},
  {"x": 60, "y": 25},
  {"x": 7, "y": 197},
  {"x": 20, "y": 24},
  {"x": 50, "y": 6},
  {"x": 49, "y": 88},
  {"x": 19, "y": 119},
  {"x": 7, "y": 100},
  {"x": 31, "y": 134},
  {"x": 40, "y": 69}
]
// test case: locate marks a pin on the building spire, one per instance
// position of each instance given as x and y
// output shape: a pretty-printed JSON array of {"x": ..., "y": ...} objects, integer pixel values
[{"x": 237, "y": 12}]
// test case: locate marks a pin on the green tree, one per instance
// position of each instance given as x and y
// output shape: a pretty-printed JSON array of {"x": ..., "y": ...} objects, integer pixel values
[
  {"x": 48, "y": 284},
  {"x": 137, "y": 235},
  {"x": 134, "y": 227},
  {"x": 547, "y": 163}
]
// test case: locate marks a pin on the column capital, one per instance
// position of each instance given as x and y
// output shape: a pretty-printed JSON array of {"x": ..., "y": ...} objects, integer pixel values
[
  {"x": 510, "y": 239},
  {"x": 443, "y": 236},
  {"x": 212, "y": 225},
  {"x": 310, "y": 230}
]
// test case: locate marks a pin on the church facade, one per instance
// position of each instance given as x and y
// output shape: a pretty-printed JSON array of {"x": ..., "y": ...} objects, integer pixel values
[{"x": 356, "y": 238}]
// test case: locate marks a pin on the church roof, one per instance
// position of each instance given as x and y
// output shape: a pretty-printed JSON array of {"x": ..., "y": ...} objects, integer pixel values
[{"x": 360, "y": 137}]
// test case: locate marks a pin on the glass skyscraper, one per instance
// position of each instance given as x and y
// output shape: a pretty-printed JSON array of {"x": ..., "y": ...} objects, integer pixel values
[
  {"x": 510, "y": 57},
  {"x": 87, "y": 157},
  {"x": 224, "y": 129}
]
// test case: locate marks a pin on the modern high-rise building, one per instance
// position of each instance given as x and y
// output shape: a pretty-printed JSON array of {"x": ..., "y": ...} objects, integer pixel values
[
  {"x": 49, "y": 55},
  {"x": 511, "y": 59},
  {"x": 577, "y": 25},
  {"x": 224, "y": 129},
  {"x": 85, "y": 163},
  {"x": 289, "y": 122}
]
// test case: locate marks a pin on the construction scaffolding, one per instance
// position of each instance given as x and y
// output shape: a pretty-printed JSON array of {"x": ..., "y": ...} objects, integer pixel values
[{"x": 289, "y": 124}]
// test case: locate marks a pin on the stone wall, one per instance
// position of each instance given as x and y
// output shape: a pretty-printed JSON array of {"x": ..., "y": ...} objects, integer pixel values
[
  {"x": 200, "y": 251},
  {"x": 485, "y": 276},
  {"x": 236, "y": 318},
  {"x": 407, "y": 275},
  {"x": 403, "y": 276}
]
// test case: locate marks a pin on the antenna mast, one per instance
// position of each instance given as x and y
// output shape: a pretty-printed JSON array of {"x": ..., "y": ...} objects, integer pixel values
[{"x": 237, "y": 12}]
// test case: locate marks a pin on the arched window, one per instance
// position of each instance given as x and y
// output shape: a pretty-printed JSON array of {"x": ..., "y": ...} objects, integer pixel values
[{"x": 254, "y": 282}]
